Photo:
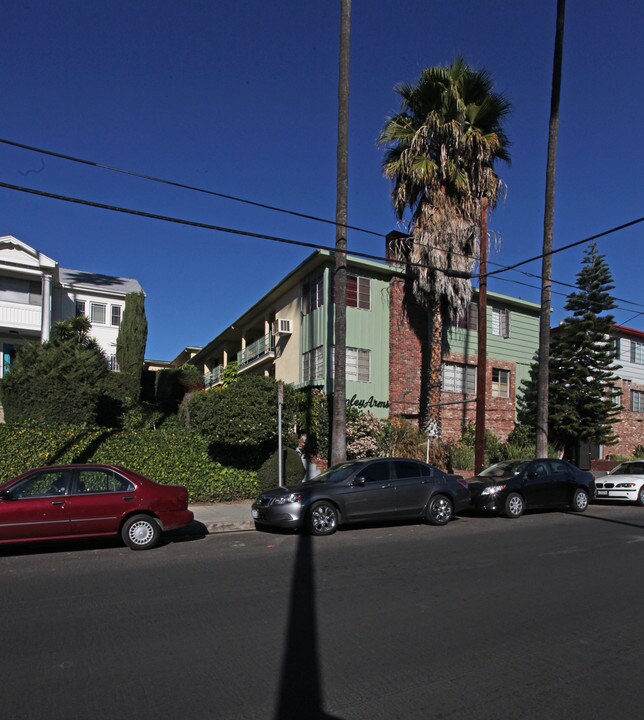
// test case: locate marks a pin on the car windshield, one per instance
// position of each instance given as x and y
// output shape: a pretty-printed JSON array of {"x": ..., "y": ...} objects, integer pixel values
[
  {"x": 628, "y": 468},
  {"x": 337, "y": 473},
  {"x": 507, "y": 468}
]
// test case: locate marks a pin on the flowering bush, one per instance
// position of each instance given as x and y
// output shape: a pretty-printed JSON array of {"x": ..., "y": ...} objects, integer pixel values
[{"x": 364, "y": 436}]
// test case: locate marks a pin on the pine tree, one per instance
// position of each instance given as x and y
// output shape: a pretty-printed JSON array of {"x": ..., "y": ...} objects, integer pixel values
[
  {"x": 130, "y": 344},
  {"x": 581, "y": 364}
]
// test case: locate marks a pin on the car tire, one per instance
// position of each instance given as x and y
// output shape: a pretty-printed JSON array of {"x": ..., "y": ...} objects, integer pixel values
[
  {"x": 322, "y": 518},
  {"x": 514, "y": 506},
  {"x": 439, "y": 510},
  {"x": 579, "y": 501},
  {"x": 141, "y": 532},
  {"x": 640, "y": 496}
]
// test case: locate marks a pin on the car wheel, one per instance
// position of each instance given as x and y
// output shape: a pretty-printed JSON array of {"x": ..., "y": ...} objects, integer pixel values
[
  {"x": 439, "y": 510},
  {"x": 579, "y": 500},
  {"x": 322, "y": 518},
  {"x": 513, "y": 506},
  {"x": 640, "y": 496},
  {"x": 141, "y": 532}
]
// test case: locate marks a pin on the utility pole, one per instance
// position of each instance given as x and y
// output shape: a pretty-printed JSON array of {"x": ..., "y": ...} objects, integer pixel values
[
  {"x": 548, "y": 225},
  {"x": 481, "y": 367},
  {"x": 339, "y": 424}
]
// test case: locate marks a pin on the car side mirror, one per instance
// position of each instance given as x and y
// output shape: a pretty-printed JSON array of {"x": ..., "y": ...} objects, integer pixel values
[
  {"x": 360, "y": 480},
  {"x": 532, "y": 474},
  {"x": 5, "y": 495}
]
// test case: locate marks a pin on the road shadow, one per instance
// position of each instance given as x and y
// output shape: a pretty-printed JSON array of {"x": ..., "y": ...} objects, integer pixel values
[
  {"x": 587, "y": 516},
  {"x": 300, "y": 686}
]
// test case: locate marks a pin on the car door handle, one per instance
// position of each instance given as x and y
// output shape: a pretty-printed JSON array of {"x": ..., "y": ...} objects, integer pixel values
[
  {"x": 128, "y": 497},
  {"x": 384, "y": 487},
  {"x": 57, "y": 502}
]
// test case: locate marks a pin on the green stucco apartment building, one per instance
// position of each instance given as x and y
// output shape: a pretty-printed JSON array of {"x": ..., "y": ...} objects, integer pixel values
[{"x": 288, "y": 335}]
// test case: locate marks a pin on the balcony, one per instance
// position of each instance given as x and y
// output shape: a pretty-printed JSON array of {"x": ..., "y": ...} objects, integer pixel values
[
  {"x": 213, "y": 377},
  {"x": 256, "y": 353},
  {"x": 20, "y": 316}
]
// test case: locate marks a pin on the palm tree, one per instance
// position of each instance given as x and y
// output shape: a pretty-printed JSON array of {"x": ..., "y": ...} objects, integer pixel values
[{"x": 440, "y": 152}]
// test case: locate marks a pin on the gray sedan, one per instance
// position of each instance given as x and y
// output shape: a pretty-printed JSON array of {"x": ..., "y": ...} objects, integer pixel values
[{"x": 374, "y": 490}]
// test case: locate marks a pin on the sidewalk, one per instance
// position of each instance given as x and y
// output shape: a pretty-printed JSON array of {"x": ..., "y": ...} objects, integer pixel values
[{"x": 224, "y": 517}]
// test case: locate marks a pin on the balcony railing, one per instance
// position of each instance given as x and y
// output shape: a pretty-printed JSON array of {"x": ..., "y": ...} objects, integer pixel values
[
  {"x": 20, "y": 316},
  {"x": 213, "y": 377},
  {"x": 256, "y": 351}
]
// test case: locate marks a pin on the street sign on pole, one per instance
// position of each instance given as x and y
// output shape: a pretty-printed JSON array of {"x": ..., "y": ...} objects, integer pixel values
[{"x": 280, "y": 401}]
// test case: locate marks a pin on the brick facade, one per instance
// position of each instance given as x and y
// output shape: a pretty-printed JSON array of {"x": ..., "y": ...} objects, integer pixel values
[
  {"x": 409, "y": 330},
  {"x": 630, "y": 428}
]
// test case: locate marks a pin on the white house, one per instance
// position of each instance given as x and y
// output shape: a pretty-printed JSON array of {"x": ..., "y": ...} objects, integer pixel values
[{"x": 35, "y": 293}]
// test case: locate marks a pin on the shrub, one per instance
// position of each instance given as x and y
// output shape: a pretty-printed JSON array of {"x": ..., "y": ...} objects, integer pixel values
[
  {"x": 461, "y": 457},
  {"x": 172, "y": 456},
  {"x": 292, "y": 468},
  {"x": 401, "y": 438},
  {"x": 364, "y": 436},
  {"x": 313, "y": 421},
  {"x": 239, "y": 421}
]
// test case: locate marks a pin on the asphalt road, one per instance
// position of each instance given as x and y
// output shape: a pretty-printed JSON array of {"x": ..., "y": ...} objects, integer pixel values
[{"x": 542, "y": 617}]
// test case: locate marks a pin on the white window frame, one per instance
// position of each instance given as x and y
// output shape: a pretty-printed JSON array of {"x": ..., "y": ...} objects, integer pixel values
[
  {"x": 120, "y": 315},
  {"x": 358, "y": 365},
  {"x": 93, "y": 308},
  {"x": 81, "y": 308},
  {"x": 637, "y": 352},
  {"x": 363, "y": 292},
  {"x": 500, "y": 387},
  {"x": 501, "y": 322},
  {"x": 313, "y": 364},
  {"x": 458, "y": 378},
  {"x": 637, "y": 401}
]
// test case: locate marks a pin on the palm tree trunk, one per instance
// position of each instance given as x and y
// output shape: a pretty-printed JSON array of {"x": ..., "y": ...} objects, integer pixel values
[
  {"x": 548, "y": 225},
  {"x": 339, "y": 429},
  {"x": 433, "y": 424}
]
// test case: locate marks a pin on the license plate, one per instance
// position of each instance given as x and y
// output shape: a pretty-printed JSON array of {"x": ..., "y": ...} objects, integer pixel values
[
  {"x": 601, "y": 493},
  {"x": 255, "y": 514}
]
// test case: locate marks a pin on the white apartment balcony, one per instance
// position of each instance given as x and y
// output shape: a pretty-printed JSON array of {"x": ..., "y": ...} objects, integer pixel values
[{"x": 20, "y": 316}]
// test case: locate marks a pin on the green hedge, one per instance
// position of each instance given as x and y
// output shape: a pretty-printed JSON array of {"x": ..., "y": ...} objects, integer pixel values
[{"x": 172, "y": 456}]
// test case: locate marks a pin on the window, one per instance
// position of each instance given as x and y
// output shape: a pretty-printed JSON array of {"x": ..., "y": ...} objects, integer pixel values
[
  {"x": 459, "y": 378},
  {"x": 637, "y": 352},
  {"x": 407, "y": 469},
  {"x": 93, "y": 481},
  {"x": 80, "y": 308},
  {"x": 112, "y": 363},
  {"x": 358, "y": 292},
  {"x": 312, "y": 365},
  {"x": 28, "y": 292},
  {"x": 500, "y": 383},
  {"x": 469, "y": 320},
  {"x": 41, "y": 484},
  {"x": 615, "y": 396},
  {"x": 501, "y": 322},
  {"x": 312, "y": 295},
  {"x": 637, "y": 401},
  {"x": 376, "y": 472},
  {"x": 97, "y": 313},
  {"x": 616, "y": 348},
  {"x": 116, "y": 315},
  {"x": 358, "y": 364}
]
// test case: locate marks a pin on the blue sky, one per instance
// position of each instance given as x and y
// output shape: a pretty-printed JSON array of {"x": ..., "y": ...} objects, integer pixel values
[{"x": 241, "y": 98}]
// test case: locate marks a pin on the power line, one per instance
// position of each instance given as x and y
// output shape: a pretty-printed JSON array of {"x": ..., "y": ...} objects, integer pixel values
[
  {"x": 287, "y": 241},
  {"x": 174, "y": 183},
  {"x": 570, "y": 245},
  {"x": 184, "y": 186}
]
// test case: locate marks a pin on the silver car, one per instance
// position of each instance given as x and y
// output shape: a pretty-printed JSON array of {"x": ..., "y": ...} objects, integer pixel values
[{"x": 373, "y": 490}]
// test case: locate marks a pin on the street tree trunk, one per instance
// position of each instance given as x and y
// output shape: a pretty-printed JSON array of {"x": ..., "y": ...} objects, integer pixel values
[
  {"x": 548, "y": 225},
  {"x": 339, "y": 429}
]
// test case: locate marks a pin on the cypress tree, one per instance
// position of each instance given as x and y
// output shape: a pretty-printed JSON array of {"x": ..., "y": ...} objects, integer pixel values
[{"x": 132, "y": 337}]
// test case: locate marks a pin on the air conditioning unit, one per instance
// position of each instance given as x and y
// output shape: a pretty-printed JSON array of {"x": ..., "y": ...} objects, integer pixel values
[{"x": 282, "y": 326}]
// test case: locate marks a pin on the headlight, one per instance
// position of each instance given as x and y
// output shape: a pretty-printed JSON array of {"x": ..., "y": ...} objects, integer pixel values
[
  {"x": 625, "y": 485},
  {"x": 287, "y": 499},
  {"x": 493, "y": 489}
]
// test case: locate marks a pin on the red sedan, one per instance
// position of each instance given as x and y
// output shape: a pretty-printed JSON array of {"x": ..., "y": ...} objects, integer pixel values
[{"x": 81, "y": 501}]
